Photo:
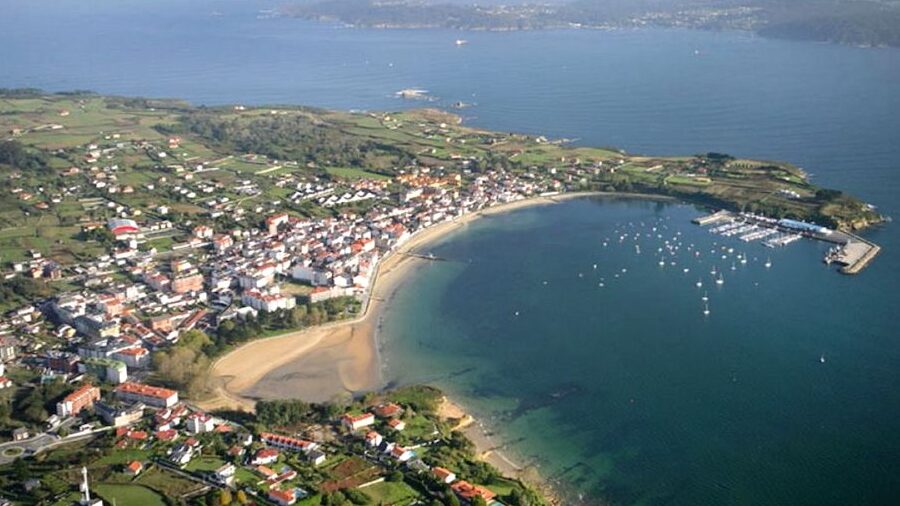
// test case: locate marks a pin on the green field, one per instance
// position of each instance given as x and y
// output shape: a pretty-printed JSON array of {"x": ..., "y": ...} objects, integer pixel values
[
  {"x": 261, "y": 155},
  {"x": 205, "y": 464},
  {"x": 353, "y": 173},
  {"x": 391, "y": 492},
  {"x": 123, "y": 457},
  {"x": 126, "y": 495},
  {"x": 690, "y": 181}
]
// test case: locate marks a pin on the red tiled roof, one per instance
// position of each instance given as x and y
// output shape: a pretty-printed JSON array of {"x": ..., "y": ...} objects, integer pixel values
[
  {"x": 265, "y": 471},
  {"x": 280, "y": 495},
  {"x": 166, "y": 435},
  {"x": 442, "y": 473},
  {"x": 468, "y": 491},
  {"x": 146, "y": 390}
]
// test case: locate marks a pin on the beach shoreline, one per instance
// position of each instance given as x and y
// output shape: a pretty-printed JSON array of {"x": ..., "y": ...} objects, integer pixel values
[
  {"x": 342, "y": 358},
  {"x": 350, "y": 344},
  {"x": 488, "y": 450}
]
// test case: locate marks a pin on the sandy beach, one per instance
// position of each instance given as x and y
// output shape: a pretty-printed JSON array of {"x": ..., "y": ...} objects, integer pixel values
[
  {"x": 341, "y": 358},
  {"x": 319, "y": 363},
  {"x": 492, "y": 452}
]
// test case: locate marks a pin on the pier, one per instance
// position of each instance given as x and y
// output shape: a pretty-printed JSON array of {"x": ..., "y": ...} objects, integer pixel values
[
  {"x": 854, "y": 255},
  {"x": 851, "y": 251},
  {"x": 426, "y": 257},
  {"x": 715, "y": 217}
]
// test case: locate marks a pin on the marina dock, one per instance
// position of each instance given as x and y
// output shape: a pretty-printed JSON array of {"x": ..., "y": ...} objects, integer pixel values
[
  {"x": 851, "y": 251},
  {"x": 854, "y": 255},
  {"x": 716, "y": 217}
]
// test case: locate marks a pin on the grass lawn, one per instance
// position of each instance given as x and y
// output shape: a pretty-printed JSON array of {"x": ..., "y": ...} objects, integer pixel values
[
  {"x": 314, "y": 500},
  {"x": 692, "y": 181},
  {"x": 353, "y": 173},
  {"x": 123, "y": 457},
  {"x": 502, "y": 486},
  {"x": 244, "y": 475},
  {"x": 128, "y": 494},
  {"x": 166, "y": 482},
  {"x": 391, "y": 492},
  {"x": 418, "y": 428},
  {"x": 205, "y": 464}
]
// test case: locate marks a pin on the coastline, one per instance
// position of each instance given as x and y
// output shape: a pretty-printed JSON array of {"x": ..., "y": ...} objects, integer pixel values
[
  {"x": 487, "y": 450},
  {"x": 342, "y": 358},
  {"x": 339, "y": 357}
]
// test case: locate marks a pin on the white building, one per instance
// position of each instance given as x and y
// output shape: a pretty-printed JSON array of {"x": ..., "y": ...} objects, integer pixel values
[{"x": 198, "y": 423}]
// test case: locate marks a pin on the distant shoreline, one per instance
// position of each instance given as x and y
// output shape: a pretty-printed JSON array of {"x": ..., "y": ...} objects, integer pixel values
[{"x": 844, "y": 26}]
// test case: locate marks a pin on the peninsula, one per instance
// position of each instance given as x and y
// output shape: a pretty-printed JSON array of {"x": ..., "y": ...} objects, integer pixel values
[
  {"x": 860, "y": 23},
  {"x": 148, "y": 242}
]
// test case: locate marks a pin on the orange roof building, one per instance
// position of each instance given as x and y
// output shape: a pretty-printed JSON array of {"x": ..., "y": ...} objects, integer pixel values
[
  {"x": 467, "y": 492},
  {"x": 82, "y": 398},
  {"x": 151, "y": 396}
]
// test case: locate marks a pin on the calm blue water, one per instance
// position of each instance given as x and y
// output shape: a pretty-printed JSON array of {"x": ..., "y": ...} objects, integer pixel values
[
  {"x": 612, "y": 379},
  {"x": 624, "y": 391}
]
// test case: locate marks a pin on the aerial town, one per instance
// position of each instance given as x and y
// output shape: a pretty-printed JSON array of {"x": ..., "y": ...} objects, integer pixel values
[
  {"x": 91, "y": 350},
  {"x": 145, "y": 252}
]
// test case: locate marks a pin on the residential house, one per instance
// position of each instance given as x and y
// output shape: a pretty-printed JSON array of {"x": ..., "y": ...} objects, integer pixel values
[
  {"x": 134, "y": 468},
  {"x": 224, "y": 475},
  {"x": 264, "y": 457},
  {"x": 356, "y": 422},
  {"x": 198, "y": 423},
  {"x": 468, "y": 492},
  {"x": 282, "y": 497},
  {"x": 444, "y": 475},
  {"x": 373, "y": 439}
]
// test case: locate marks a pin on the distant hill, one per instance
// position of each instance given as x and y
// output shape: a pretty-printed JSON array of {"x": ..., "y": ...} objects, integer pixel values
[{"x": 856, "y": 22}]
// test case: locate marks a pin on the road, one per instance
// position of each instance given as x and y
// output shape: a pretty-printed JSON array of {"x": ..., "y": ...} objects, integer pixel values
[{"x": 12, "y": 450}]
